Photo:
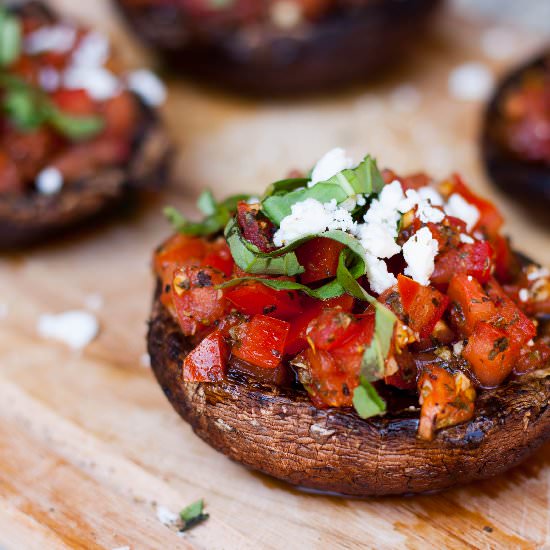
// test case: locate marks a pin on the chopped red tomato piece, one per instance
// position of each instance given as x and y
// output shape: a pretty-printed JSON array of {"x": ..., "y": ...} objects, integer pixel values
[
  {"x": 532, "y": 358},
  {"x": 472, "y": 259},
  {"x": 75, "y": 102},
  {"x": 470, "y": 303},
  {"x": 447, "y": 399},
  {"x": 255, "y": 227},
  {"x": 10, "y": 182},
  {"x": 220, "y": 258},
  {"x": 351, "y": 350},
  {"x": 491, "y": 354},
  {"x": 256, "y": 299},
  {"x": 177, "y": 250},
  {"x": 319, "y": 257},
  {"x": 208, "y": 361},
  {"x": 424, "y": 306},
  {"x": 196, "y": 300},
  {"x": 261, "y": 341},
  {"x": 447, "y": 233},
  {"x": 507, "y": 266},
  {"x": 296, "y": 340},
  {"x": 331, "y": 328}
]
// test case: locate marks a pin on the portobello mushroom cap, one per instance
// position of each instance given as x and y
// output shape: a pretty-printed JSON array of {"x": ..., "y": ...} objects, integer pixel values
[
  {"x": 32, "y": 217},
  {"x": 523, "y": 178},
  {"x": 279, "y": 432},
  {"x": 350, "y": 45}
]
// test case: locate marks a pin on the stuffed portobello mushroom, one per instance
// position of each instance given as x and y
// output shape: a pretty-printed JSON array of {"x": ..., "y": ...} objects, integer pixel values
[
  {"x": 516, "y": 134},
  {"x": 274, "y": 47},
  {"x": 77, "y": 133},
  {"x": 355, "y": 331}
]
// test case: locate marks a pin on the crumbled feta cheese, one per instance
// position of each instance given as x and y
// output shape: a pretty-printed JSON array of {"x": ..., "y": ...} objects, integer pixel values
[
  {"x": 165, "y": 516},
  {"x": 531, "y": 343},
  {"x": 384, "y": 209},
  {"x": 537, "y": 273},
  {"x": 380, "y": 279},
  {"x": 54, "y": 38},
  {"x": 428, "y": 193},
  {"x": 458, "y": 347},
  {"x": 92, "y": 51},
  {"x": 466, "y": 239},
  {"x": 425, "y": 211},
  {"x": 100, "y": 83},
  {"x": 471, "y": 82},
  {"x": 523, "y": 294},
  {"x": 329, "y": 165},
  {"x": 309, "y": 217},
  {"x": 460, "y": 208},
  {"x": 377, "y": 240},
  {"x": 147, "y": 86},
  {"x": 49, "y": 181},
  {"x": 286, "y": 14},
  {"x": 361, "y": 200},
  {"x": 419, "y": 253},
  {"x": 145, "y": 360},
  {"x": 74, "y": 328},
  {"x": 49, "y": 79}
]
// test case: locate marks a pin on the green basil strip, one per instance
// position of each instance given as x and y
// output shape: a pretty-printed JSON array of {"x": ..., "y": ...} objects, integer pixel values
[
  {"x": 206, "y": 203},
  {"x": 364, "y": 179},
  {"x": 193, "y": 515},
  {"x": 285, "y": 186},
  {"x": 366, "y": 400},
  {"x": 10, "y": 38},
  {"x": 75, "y": 127}
]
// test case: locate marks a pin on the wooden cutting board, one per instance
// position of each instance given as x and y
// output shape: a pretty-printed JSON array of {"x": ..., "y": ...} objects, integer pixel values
[{"x": 89, "y": 446}]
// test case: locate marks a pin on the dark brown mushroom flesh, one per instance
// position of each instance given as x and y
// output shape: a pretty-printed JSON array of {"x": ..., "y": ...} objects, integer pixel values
[{"x": 352, "y": 44}]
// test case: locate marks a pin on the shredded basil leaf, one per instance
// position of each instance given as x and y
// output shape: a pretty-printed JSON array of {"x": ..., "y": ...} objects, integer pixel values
[
  {"x": 366, "y": 400},
  {"x": 10, "y": 38},
  {"x": 285, "y": 186},
  {"x": 217, "y": 215},
  {"x": 364, "y": 179},
  {"x": 193, "y": 515},
  {"x": 75, "y": 127}
]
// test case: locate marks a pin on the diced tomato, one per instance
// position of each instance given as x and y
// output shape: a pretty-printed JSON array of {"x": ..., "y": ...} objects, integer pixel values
[
  {"x": 490, "y": 220},
  {"x": 507, "y": 266},
  {"x": 344, "y": 302},
  {"x": 509, "y": 316},
  {"x": 447, "y": 233},
  {"x": 328, "y": 382},
  {"x": 256, "y": 298},
  {"x": 533, "y": 358},
  {"x": 447, "y": 399},
  {"x": 424, "y": 306},
  {"x": 470, "y": 303},
  {"x": 472, "y": 259},
  {"x": 196, "y": 300},
  {"x": 319, "y": 257},
  {"x": 330, "y": 328},
  {"x": 220, "y": 258},
  {"x": 350, "y": 351},
  {"x": 208, "y": 361},
  {"x": 10, "y": 182},
  {"x": 261, "y": 341},
  {"x": 178, "y": 250},
  {"x": 491, "y": 354},
  {"x": 255, "y": 227},
  {"x": 296, "y": 340},
  {"x": 120, "y": 113},
  {"x": 75, "y": 102}
]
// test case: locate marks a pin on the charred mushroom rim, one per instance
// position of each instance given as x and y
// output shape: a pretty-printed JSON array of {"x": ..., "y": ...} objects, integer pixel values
[
  {"x": 516, "y": 134},
  {"x": 276, "y": 47},
  {"x": 77, "y": 135},
  {"x": 355, "y": 331}
]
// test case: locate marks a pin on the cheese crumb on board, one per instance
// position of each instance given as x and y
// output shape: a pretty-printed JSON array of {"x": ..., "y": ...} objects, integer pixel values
[
  {"x": 74, "y": 328},
  {"x": 471, "y": 82},
  {"x": 49, "y": 181},
  {"x": 147, "y": 86}
]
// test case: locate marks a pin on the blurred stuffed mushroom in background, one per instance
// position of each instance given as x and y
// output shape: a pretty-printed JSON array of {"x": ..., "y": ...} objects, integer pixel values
[
  {"x": 274, "y": 47},
  {"x": 77, "y": 132},
  {"x": 516, "y": 133}
]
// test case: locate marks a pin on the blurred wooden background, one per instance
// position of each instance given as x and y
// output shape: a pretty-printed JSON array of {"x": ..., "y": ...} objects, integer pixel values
[{"x": 89, "y": 445}]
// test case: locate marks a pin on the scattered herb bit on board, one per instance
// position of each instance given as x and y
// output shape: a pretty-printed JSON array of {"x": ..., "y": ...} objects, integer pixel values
[{"x": 192, "y": 515}]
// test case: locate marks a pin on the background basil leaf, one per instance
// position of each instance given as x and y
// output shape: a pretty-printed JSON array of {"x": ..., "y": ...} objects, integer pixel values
[
  {"x": 364, "y": 179},
  {"x": 206, "y": 203},
  {"x": 10, "y": 38}
]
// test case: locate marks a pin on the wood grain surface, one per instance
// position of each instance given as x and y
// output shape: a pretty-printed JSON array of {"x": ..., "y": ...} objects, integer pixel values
[{"x": 90, "y": 447}]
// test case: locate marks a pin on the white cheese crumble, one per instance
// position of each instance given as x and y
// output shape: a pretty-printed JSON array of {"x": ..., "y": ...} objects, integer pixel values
[
  {"x": 92, "y": 50},
  {"x": 523, "y": 294},
  {"x": 459, "y": 207},
  {"x": 384, "y": 209},
  {"x": 74, "y": 328},
  {"x": 425, "y": 211},
  {"x": 537, "y": 273},
  {"x": 380, "y": 279},
  {"x": 419, "y": 253},
  {"x": 471, "y": 82},
  {"x": 147, "y": 86},
  {"x": 166, "y": 517},
  {"x": 329, "y": 165},
  {"x": 54, "y": 38},
  {"x": 466, "y": 239},
  {"x": 458, "y": 347},
  {"x": 310, "y": 217},
  {"x": 428, "y": 193},
  {"x": 101, "y": 84},
  {"x": 377, "y": 240},
  {"x": 49, "y": 79},
  {"x": 49, "y": 181}
]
